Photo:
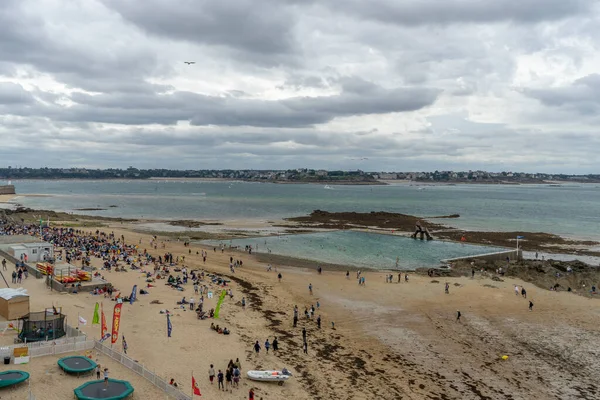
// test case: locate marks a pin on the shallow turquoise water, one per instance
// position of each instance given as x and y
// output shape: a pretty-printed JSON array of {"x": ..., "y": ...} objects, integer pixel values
[{"x": 359, "y": 249}]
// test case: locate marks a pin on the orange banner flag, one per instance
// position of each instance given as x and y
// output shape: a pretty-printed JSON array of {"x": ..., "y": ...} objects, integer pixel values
[{"x": 116, "y": 322}]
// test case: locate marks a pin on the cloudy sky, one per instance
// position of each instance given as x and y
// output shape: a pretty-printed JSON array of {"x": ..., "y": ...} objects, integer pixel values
[{"x": 376, "y": 85}]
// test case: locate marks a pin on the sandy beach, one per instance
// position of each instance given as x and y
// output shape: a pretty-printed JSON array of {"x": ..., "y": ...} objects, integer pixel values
[
  {"x": 391, "y": 340},
  {"x": 5, "y": 198}
]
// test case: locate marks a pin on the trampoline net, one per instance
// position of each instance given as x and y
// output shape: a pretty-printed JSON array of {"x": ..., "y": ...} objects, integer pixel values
[
  {"x": 11, "y": 376},
  {"x": 77, "y": 363},
  {"x": 98, "y": 390},
  {"x": 38, "y": 326}
]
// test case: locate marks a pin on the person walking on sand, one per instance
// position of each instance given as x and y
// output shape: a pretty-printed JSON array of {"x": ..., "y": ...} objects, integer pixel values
[
  {"x": 310, "y": 288},
  {"x": 405, "y": 277},
  {"x": 305, "y": 347},
  {"x": 4, "y": 264},
  {"x": 257, "y": 347},
  {"x": 304, "y": 334},
  {"x": 516, "y": 290},
  {"x": 447, "y": 288},
  {"x": 279, "y": 276},
  {"x": 523, "y": 292},
  {"x": 251, "y": 394},
  {"x": 228, "y": 379},
  {"x": 267, "y": 345},
  {"x": 220, "y": 377},
  {"x": 458, "y": 315},
  {"x": 319, "y": 322},
  {"x": 275, "y": 345},
  {"x": 530, "y": 305},
  {"x": 211, "y": 374}
]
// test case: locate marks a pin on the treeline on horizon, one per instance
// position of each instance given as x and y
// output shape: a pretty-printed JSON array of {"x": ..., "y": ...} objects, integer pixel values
[{"x": 254, "y": 174}]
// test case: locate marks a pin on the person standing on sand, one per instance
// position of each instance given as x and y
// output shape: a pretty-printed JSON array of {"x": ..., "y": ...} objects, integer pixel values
[
  {"x": 319, "y": 322},
  {"x": 220, "y": 377},
  {"x": 267, "y": 345},
  {"x": 211, "y": 374},
  {"x": 447, "y": 288},
  {"x": 347, "y": 274},
  {"x": 400, "y": 277},
  {"x": 251, "y": 394},
  {"x": 310, "y": 288},
  {"x": 4, "y": 264},
  {"x": 530, "y": 305},
  {"x": 304, "y": 334},
  {"x": 523, "y": 292},
  {"x": 257, "y": 347},
  {"x": 458, "y": 314},
  {"x": 405, "y": 277},
  {"x": 516, "y": 290},
  {"x": 295, "y": 316},
  {"x": 279, "y": 276},
  {"x": 305, "y": 347},
  {"x": 275, "y": 345},
  {"x": 472, "y": 272}
]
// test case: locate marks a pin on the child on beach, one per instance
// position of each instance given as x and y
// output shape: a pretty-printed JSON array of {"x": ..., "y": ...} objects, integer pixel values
[
  {"x": 257, "y": 347},
  {"x": 211, "y": 374},
  {"x": 106, "y": 376},
  {"x": 220, "y": 377}
]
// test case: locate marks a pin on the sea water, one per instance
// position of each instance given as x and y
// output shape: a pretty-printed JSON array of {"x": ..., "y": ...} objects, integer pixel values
[
  {"x": 568, "y": 210},
  {"x": 359, "y": 249}
]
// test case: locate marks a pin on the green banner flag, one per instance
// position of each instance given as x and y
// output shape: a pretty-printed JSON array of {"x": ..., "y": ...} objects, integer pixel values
[
  {"x": 218, "y": 308},
  {"x": 96, "y": 319}
]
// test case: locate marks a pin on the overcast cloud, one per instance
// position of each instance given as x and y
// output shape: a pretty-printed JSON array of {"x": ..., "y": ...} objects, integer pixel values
[{"x": 378, "y": 85}]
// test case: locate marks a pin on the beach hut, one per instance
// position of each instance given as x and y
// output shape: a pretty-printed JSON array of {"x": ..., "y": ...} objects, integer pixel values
[{"x": 14, "y": 303}]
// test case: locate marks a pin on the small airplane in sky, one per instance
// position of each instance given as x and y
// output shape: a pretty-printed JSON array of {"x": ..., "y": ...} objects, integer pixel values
[{"x": 190, "y": 62}]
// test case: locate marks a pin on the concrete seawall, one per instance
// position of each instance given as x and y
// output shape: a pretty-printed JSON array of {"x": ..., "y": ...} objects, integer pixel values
[
  {"x": 7, "y": 189},
  {"x": 513, "y": 255}
]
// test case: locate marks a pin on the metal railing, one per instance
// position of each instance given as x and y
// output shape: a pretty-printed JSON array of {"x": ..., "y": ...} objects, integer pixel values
[{"x": 142, "y": 371}]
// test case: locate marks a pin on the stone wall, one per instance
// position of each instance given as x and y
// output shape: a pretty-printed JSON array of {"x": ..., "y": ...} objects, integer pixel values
[{"x": 7, "y": 189}]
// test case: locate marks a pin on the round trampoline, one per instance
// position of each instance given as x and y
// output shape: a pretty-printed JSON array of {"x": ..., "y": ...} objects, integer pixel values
[
  {"x": 115, "y": 390},
  {"x": 76, "y": 364},
  {"x": 14, "y": 377}
]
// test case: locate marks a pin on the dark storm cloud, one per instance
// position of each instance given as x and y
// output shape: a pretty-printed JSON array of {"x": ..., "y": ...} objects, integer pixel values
[
  {"x": 582, "y": 96},
  {"x": 357, "y": 97},
  {"x": 247, "y": 26},
  {"x": 423, "y": 12}
]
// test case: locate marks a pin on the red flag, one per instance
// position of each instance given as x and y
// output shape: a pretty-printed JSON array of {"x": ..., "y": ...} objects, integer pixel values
[
  {"x": 104, "y": 328},
  {"x": 195, "y": 388},
  {"x": 116, "y": 322}
]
